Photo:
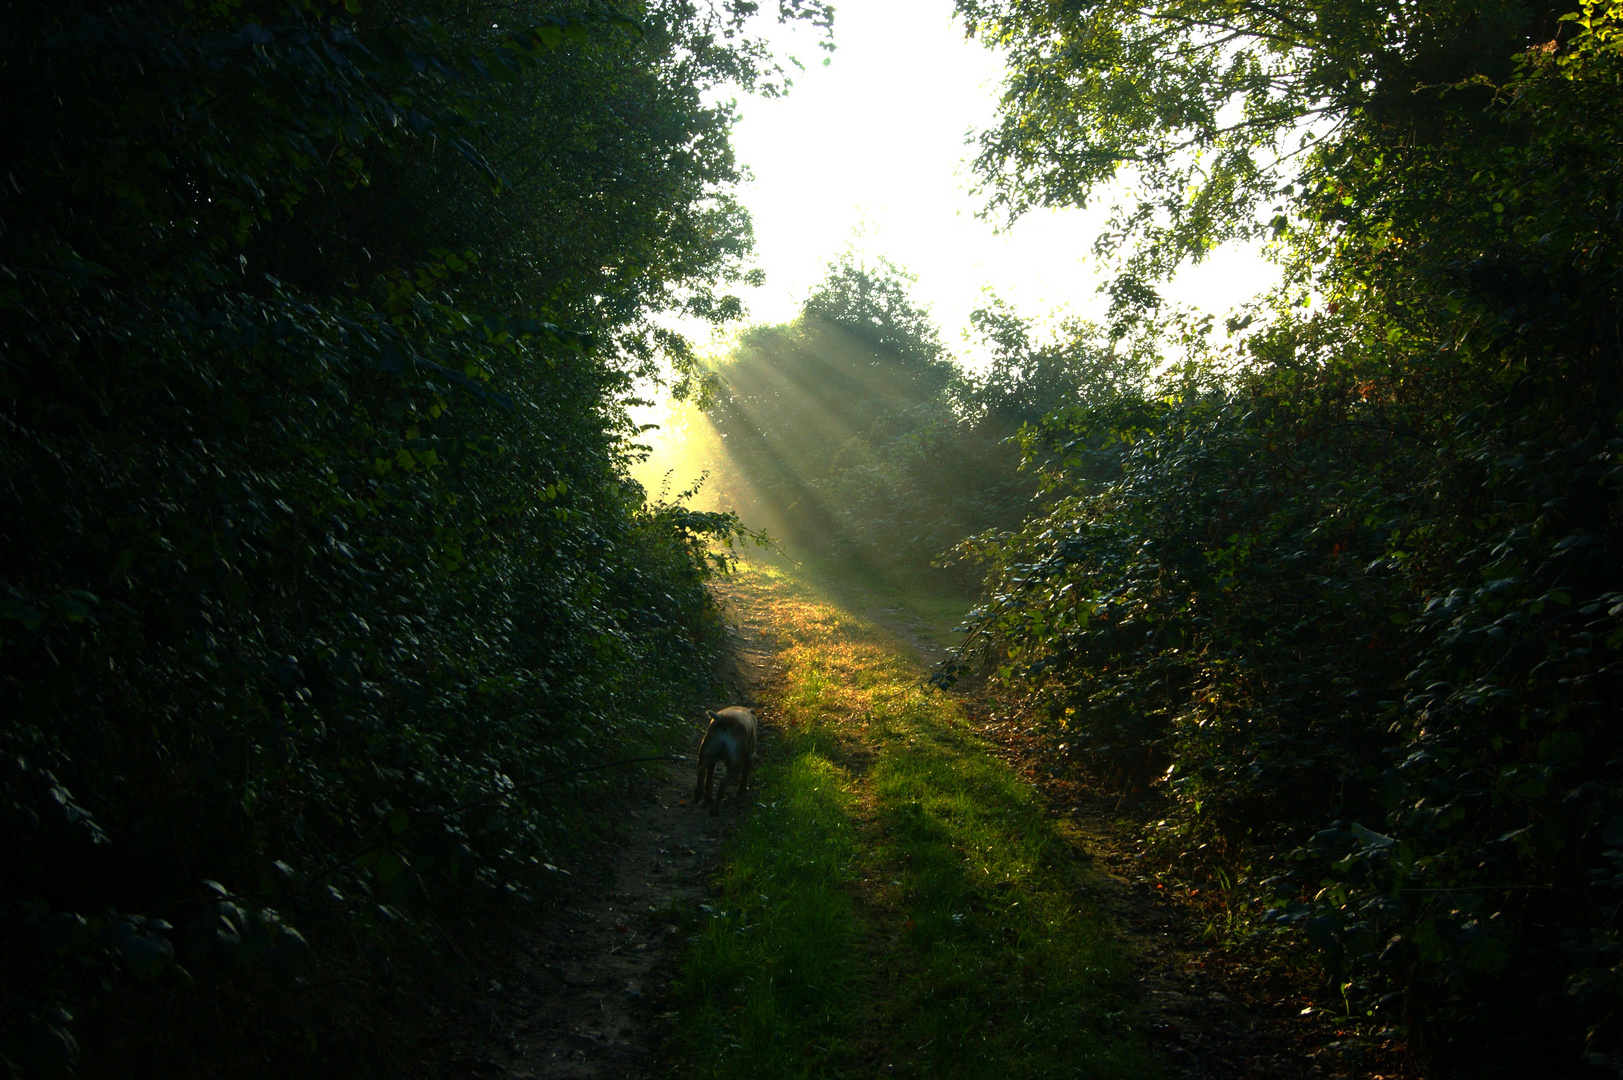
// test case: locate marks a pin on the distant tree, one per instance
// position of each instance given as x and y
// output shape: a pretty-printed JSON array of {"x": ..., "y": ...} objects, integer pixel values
[
  {"x": 1027, "y": 381},
  {"x": 873, "y": 304},
  {"x": 844, "y": 439}
]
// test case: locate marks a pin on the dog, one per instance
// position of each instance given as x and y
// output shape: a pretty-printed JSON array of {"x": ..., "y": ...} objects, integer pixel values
[{"x": 730, "y": 738}]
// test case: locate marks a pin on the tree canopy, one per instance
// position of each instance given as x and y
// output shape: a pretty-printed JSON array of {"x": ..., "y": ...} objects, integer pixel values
[{"x": 1210, "y": 110}]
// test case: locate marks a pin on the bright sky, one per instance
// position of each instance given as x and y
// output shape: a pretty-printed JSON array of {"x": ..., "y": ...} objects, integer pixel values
[{"x": 877, "y": 140}]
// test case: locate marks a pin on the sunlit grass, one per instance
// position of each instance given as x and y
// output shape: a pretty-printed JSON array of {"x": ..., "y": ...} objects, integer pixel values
[
  {"x": 898, "y": 904},
  {"x": 774, "y": 986}
]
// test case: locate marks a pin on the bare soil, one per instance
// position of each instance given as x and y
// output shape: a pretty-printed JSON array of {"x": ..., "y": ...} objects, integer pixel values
[{"x": 582, "y": 993}]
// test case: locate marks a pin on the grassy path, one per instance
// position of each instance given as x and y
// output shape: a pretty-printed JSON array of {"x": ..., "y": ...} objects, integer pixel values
[{"x": 897, "y": 903}]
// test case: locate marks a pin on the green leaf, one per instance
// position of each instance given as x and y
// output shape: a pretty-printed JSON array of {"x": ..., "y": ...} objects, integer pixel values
[{"x": 1561, "y": 748}]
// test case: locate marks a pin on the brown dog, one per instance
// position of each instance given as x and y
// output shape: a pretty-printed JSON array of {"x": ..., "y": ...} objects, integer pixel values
[{"x": 730, "y": 738}]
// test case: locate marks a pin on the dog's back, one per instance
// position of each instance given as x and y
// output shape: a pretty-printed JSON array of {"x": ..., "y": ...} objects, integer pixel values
[{"x": 731, "y": 739}]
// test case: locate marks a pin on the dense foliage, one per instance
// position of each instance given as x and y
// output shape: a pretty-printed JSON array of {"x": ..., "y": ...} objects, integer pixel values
[
  {"x": 317, "y": 323},
  {"x": 1348, "y": 590}
]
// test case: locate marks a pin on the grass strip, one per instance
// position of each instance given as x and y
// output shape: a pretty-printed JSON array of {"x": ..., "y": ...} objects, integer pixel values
[
  {"x": 999, "y": 969},
  {"x": 769, "y": 985},
  {"x": 771, "y": 988}
]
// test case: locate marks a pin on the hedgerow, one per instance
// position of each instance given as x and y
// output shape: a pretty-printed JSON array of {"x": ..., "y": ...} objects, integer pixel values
[
  {"x": 320, "y": 558},
  {"x": 1346, "y": 592}
]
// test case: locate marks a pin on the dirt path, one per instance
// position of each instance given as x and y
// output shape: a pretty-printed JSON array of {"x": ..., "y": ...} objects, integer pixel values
[{"x": 582, "y": 994}]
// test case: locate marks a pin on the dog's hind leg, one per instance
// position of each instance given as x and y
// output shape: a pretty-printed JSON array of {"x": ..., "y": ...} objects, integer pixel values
[
  {"x": 707, "y": 772},
  {"x": 721, "y": 789}
]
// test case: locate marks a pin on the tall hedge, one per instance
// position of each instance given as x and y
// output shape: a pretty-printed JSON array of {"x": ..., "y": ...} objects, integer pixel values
[{"x": 317, "y": 547}]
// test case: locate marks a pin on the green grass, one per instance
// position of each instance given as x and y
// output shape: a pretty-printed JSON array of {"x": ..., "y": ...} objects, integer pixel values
[
  {"x": 771, "y": 983},
  {"x": 999, "y": 969},
  {"x": 899, "y": 904},
  {"x": 932, "y": 614}
]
